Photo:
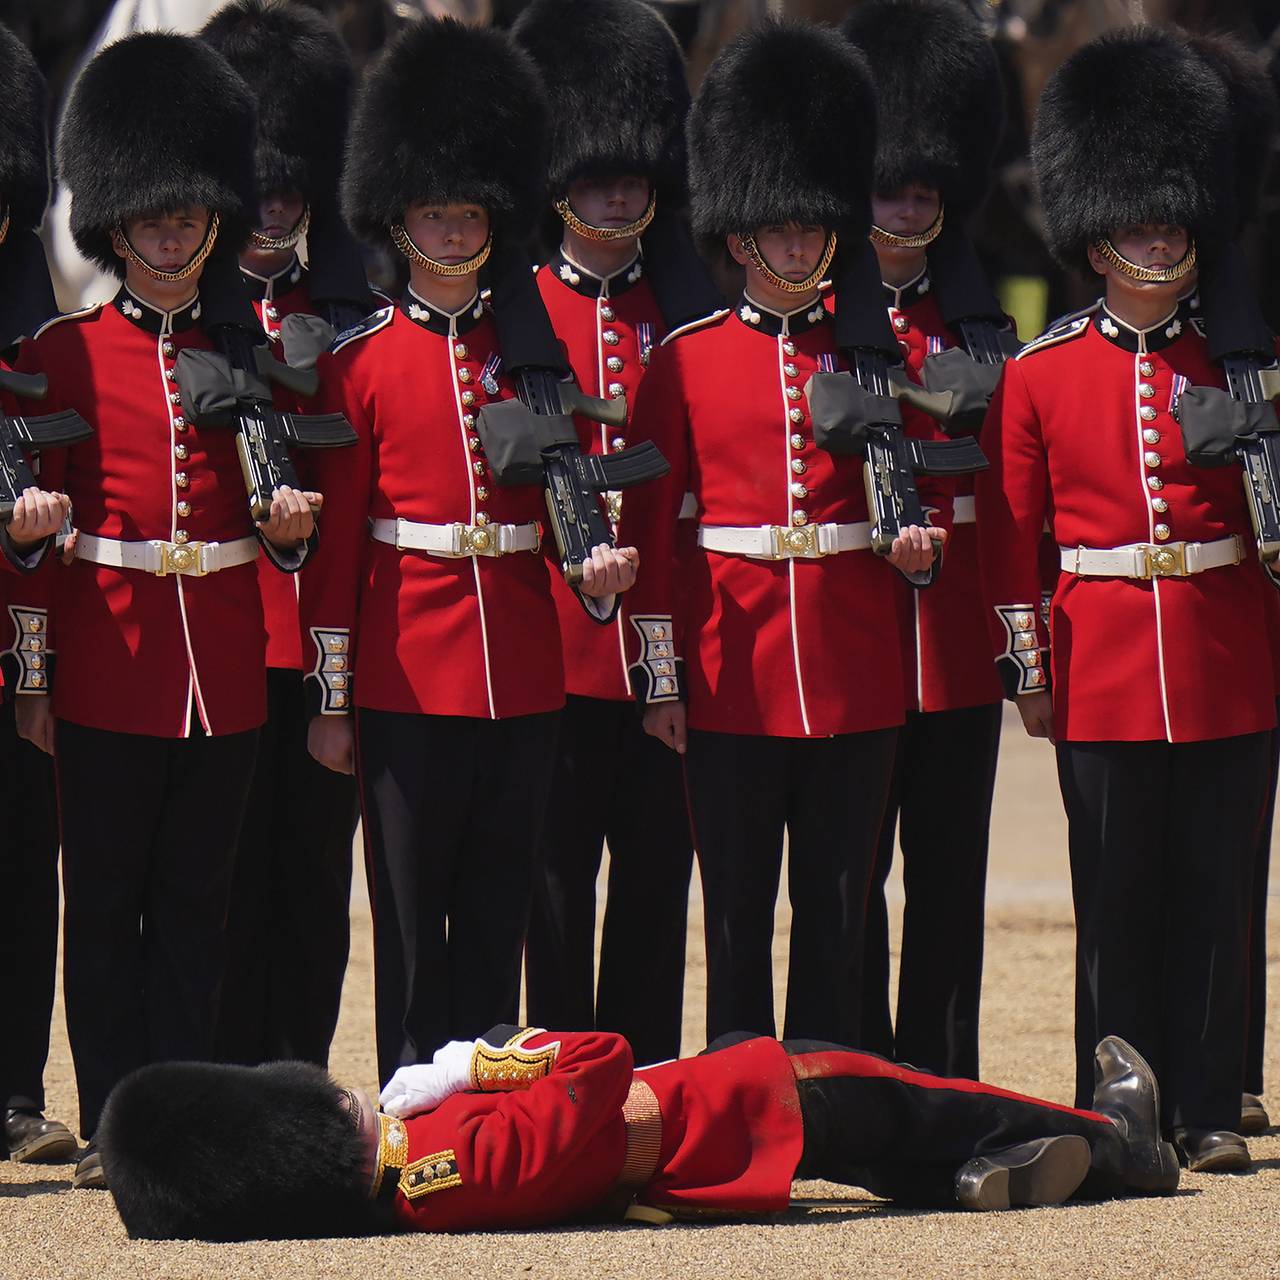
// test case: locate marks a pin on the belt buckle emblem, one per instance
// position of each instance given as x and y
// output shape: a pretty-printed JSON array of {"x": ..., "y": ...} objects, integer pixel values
[
  {"x": 185, "y": 558},
  {"x": 1167, "y": 562},
  {"x": 800, "y": 542}
]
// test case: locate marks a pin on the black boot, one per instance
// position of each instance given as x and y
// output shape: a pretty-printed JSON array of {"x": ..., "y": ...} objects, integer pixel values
[
  {"x": 30, "y": 1137},
  {"x": 1126, "y": 1092},
  {"x": 1043, "y": 1171}
]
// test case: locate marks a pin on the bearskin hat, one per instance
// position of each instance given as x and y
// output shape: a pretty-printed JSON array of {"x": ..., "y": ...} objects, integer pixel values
[
  {"x": 1134, "y": 127},
  {"x": 197, "y": 1151},
  {"x": 449, "y": 113},
  {"x": 1251, "y": 99},
  {"x": 616, "y": 89},
  {"x": 24, "y": 133},
  {"x": 156, "y": 122},
  {"x": 760, "y": 139},
  {"x": 941, "y": 100},
  {"x": 299, "y": 70}
]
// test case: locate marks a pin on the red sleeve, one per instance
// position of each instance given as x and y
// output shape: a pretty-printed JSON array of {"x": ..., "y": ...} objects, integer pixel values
[
  {"x": 511, "y": 1159},
  {"x": 1012, "y": 497},
  {"x": 650, "y": 513},
  {"x": 330, "y": 586}
]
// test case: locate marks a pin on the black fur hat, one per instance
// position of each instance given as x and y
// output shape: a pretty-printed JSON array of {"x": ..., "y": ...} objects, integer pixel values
[
  {"x": 204, "y": 1152},
  {"x": 762, "y": 129},
  {"x": 1251, "y": 98},
  {"x": 940, "y": 97},
  {"x": 24, "y": 133},
  {"x": 155, "y": 122},
  {"x": 616, "y": 88},
  {"x": 294, "y": 61},
  {"x": 448, "y": 113},
  {"x": 1133, "y": 127}
]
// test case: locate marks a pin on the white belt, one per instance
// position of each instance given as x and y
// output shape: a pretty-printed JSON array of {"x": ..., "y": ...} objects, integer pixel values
[
  {"x": 777, "y": 542},
  {"x": 1152, "y": 560},
  {"x": 192, "y": 559},
  {"x": 455, "y": 541},
  {"x": 964, "y": 510}
]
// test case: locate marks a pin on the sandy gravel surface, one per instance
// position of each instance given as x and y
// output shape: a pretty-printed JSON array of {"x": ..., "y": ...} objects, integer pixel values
[{"x": 1215, "y": 1226}]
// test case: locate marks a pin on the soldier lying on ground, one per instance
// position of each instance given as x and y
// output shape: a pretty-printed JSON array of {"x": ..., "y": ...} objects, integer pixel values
[{"x": 527, "y": 1128}]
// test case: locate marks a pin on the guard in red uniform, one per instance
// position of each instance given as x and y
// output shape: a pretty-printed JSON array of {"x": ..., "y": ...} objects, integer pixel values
[
  {"x": 618, "y": 99},
  {"x": 1161, "y": 695},
  {"x": 29, "y": 851},
  {"x": 777, "y": 641},
  {"x": 288, "y": 928},
  {"x": 524, "y": 1129},
  {"x": 940, "y": 113},
  {"x": 160, "y": 666},
  {"x": 428, "y": 609}
]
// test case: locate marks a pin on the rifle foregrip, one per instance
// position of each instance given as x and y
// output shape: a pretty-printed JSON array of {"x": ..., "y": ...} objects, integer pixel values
[{"x": 30, "y": 386}]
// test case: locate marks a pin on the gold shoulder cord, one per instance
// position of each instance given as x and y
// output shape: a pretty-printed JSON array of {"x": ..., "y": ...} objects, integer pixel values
[
  {"x": 601, "y": 234},
  {"x": 811, "y": 281},
  {"x": 286, "y": 241},
  {"x": 1147, "y": 275},
  {"x": 404, "y": 242},
  {"x": 170, "y": 277},
  {"x": 919, "y": 241}
]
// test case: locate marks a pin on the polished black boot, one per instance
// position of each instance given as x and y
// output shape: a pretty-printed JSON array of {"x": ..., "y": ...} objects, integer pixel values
[
  {"x": 33, "y": 1139},
  {"x": 1126, "y": 1092}
]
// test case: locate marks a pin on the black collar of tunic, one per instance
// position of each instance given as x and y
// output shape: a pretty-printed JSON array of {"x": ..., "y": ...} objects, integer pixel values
[
  {"x": 283, "y": 282},
  {"x": 1162, "y": 334},
  {"x": 900, "y": 297},
  {"x": 153, "y": 319},
  {"x": 779, "y": 324},
  {"x": 446, "y": 324},
  {"x": 575, "y": 276}
]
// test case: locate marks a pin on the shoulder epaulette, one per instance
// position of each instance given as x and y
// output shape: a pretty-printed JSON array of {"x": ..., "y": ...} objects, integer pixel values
[
  {"x": 701, "y": 323},
  {"x": 1064, "y": 330},
  {"x": 69, "y": 315},
  {"x": 370, "y": 324}
]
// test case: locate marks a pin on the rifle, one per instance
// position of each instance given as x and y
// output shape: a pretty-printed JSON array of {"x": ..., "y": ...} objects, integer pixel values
[
  {"x": 232, "y": 387},
  {"x": 20, "y": 436}
]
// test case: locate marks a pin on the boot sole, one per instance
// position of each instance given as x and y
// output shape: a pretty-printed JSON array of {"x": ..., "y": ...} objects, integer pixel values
[
  {"x": 1224, "y": 1161},
  {"x": 51, "y": 1148},
  {"x": 1045, "y": 1171}
]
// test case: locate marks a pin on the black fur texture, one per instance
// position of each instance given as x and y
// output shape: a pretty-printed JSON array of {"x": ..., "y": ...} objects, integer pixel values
[
  {"x": 448, "y": 113},
  {"x": 616, "y": 89},
  {"x": 763, "y": 134},
  {"x": 294, "y": 61},
  {"x": 194, "y": 1151},
  {"x": 24, "y": 133},
  {"x": 155, "y": 122},
  {"x": 1134, "y": 127},
  {"x": 1251, "y": 98},
  {"x": 939, "y": 94}
]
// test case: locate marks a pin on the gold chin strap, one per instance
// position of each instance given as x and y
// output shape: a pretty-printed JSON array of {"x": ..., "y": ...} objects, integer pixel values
[
  {"x": 170, "y": 277},
  {"x": 602, "y": 234},
  {"x": 286, "y": 241},
  {"x": 811, "y": 281},
  {"x": 404, "y": 242},
  {"x": 919, "y": 241},
  {"x": 1147, "y": 275},
  {"x": 4, "y": 226}
]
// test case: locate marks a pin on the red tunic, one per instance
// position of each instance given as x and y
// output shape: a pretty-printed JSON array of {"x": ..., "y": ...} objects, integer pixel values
[
  {"x": 139, "y": 653},
  {"x": 474, "y": 636},
  {"x": 732, "y": 1137},
  {"x": 1081, "y": 433},
  {"x": 608, "y": 328},
  {"x": 789, "y": 648}
]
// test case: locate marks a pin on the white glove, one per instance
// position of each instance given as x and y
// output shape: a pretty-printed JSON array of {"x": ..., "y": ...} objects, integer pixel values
[{"x": 413, "y": 1090}]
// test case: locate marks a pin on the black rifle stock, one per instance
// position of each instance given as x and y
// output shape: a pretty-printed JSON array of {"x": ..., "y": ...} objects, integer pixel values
[{"x": 20, "y": 436}]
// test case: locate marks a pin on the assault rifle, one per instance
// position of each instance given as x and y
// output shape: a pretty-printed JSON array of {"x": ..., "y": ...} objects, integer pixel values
[{"x": 20, "y": 436}]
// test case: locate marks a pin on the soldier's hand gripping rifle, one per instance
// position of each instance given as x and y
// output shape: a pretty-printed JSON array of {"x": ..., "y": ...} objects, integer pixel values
[
  {"x": 1238, "y": 424},
  {"x": 533, "y": 440},
  {"x": 21, "y": 436},
  {"x": 858, "y": 413},
  {"x": 232, "y": 387}
]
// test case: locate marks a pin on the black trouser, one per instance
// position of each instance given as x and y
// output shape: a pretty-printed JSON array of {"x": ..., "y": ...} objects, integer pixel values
[
  {"x": 289, "y": 923},
  {"x": 29, "y": 932},
  {"x": 149, "y": 831},
  {"x": 612, "y": 782},
  {"x": 452, "y": 810},
  {"x": 940, "y": 808},
  {"x": 1163, "y": 839},
  {"x": 828, "y": 796},
  {"x": 1256, "y": 1013}
]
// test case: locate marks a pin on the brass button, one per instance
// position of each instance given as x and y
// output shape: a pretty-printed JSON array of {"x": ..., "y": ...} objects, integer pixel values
[
  {"x": 180, "y": 423},
  {"x": 799, "y": 517},
  {"x": 460, "y": 350},
  {"x": 482, "y": 517},
  {"x": 666, "y": 685},
  {"x": 610, "y": 336},
  {"x": 658, "y": 632},
  {"x": 469, "y": 421},
  {"x": 464, "y": 375},
  {"x": 616, "y": 390},
  {"x": 790, "y": 370},
  {"x": 169, "y": 350},
  {"x": 1151, "y": 436},
  {"x": 1147, "y": 369},
  {"x": 1154, "y": 482},
  {"x": 180, "y": 452},
  {"x": 1152, "y": 458},
  {"x": 1159, "y": 506},
  {"x": 338, "y": 699},
  {"x": 617, "y": 444},
  {"x": 337, "y": 682},
  {"x": 184, "y": 508},
  {"x": 796, "y": 415},
  {"x": 473, "y": 443},
  {"x": 182, "y": 480},
  {"x": 180, "y": 535},
  {"x": 797, "y": 441},
  {"x": 35, "y": 624},
  {"x": 799, "y": 466},
  {"x": 614, "y": 364},
  {"x": 901, "y": 323},
  {"x": 171, "y": 374},
  {"x": 788, "y": 348},
  {"x": 273, "y": 313},
  {"x": 37, "y": 680},
  {"x": 482, "y": 494},
  {"x": 468, "y": 398},
  {"x": 175, "y": 397},
  {"x": 606, "y": 312},
  {"x": 794, "y": 393},
  {"x": 1162, "y": 532},
  {"x": 478, "y": 468},
  {"x": 36, "y": 661},
  {"x": 1146, "y": 413},
  {"x": 799, "y": 491},
  {"x": 1146, "y": 390},
  {"x": 336, "y": 644}
]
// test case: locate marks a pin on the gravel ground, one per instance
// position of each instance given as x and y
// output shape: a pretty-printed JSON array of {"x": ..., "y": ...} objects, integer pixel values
[{"x": 1214, "y": 1226}]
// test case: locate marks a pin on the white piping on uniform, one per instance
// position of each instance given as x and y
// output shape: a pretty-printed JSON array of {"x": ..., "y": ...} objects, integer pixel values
[{"x": 791, "y": 564}]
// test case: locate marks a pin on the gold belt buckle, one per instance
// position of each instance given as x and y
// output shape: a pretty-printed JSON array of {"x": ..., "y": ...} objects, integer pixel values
[
  {"x": 1166, "y": 562},
  {"x": 795, "y": 543},
  {"x": 186, "y": 558},
  {"x": 479, "y": 540}
]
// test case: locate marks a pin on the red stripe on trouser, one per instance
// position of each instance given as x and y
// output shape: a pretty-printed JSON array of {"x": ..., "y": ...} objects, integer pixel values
[{"x": 832, "y": 1065}]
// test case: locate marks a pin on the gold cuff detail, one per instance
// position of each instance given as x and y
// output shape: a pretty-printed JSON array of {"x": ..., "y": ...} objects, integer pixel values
[
  {"x": 436, "y": 1172},
  {"x": 511, "y": 1068}
]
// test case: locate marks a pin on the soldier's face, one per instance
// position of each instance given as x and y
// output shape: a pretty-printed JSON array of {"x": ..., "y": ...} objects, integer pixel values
[
  {"x": 791, "y": 250},
  {"x": 609, "y": 202},
  {"x": 906, "y": 210},
  {"x": 278, "y": 213},
  {"x": 448, "y": 233},
  {"x": 1147, "y": 244},
  {"x": 168, "y": 241}
]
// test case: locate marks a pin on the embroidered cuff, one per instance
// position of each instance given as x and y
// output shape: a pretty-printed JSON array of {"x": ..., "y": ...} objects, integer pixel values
[
  {"x": 511, "y": 1067},
  {"x": 658, "y": 675},
  {"x": 1021, "y": 665},
  {"x": 30, "y": 649},
  {"x": 333, "y": 669}
]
